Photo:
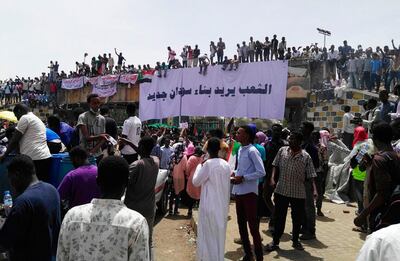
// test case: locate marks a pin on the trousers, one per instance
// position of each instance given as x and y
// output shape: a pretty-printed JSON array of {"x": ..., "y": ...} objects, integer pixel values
[{"x": 246, "y": 211}]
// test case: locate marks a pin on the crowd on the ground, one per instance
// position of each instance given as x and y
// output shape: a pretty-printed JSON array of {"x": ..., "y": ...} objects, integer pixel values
[{"x": 107, "y": 211}]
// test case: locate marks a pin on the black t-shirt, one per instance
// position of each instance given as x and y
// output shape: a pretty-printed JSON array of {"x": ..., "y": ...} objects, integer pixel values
[
  {"x": 196, "y": 53},
  {"x": 111, "y": 127},
  {"x": 32, "y": 227},
  {"x": 271, "y": 150},
  {"x": 274, "y": 44},
  {"x": 120, "y": 59},
  {"x": 312, "y": 150}
]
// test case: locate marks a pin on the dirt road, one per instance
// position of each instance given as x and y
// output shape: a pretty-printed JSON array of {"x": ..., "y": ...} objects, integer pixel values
[{"x": 174, "y": 239}]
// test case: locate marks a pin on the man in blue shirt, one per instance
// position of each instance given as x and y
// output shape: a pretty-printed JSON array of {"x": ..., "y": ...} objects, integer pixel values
[
  {"x": 376, "y": 69},
  {"x": 31, "y": 229},
  {"x": 250, "y": 168}
]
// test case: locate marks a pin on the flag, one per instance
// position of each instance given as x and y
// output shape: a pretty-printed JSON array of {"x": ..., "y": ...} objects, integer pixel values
[
  {"x": 230, "y": 126},
  {"x": 145, "y": 75}
]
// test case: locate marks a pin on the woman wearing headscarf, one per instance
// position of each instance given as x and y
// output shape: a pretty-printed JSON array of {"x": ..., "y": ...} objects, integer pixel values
[
  {"x": 194, "y": 159},
  {"x": 360, "y": 147},
  {"x": 360, "y": 135},
  {"x": 177, "y": 166},
  {"x": 261, "y": 138}
]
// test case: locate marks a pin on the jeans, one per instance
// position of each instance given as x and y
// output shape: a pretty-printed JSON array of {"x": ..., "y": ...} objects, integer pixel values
[
  {"x": 353, "y": 79},
  {"x": 358, "y": 193},
  {"x": 184, "y": 64},
  {"x": 204, "y": 71},
  {"x": 266, "y": 54},
  {"x": 281, "y": 53},
  {"x": 246, "y": 211},
  {"x": 392, "y": 77},
  {"x": 332, "y": 66},
  {"x": 309, "y": 220},
  {"x": 375, "y": 81},
  {"x": 274, "y": 53},
  {"x": 281, "y": 208},
  {"x": 366, "y": 81},
  {"x": 251, "y": 55},
  {"x": 259, "y": 56},
  {"x": 220, "y": 56}
]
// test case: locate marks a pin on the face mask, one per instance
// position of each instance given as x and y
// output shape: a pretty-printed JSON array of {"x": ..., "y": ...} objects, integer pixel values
[{"x": 94, "y": 112}]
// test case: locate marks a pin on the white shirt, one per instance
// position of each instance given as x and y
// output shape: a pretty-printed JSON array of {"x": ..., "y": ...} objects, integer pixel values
[
  {"x": 282, "y": 46},
  {"x": 110, "y": 62},
  {"x": 347, "y": 126},
  {"x": 165, "y": 157},
  {"x": 131, "y": 129},
  {"x": 33, "y": 142},
  {"x": 295, "y": 54},
  {"x": 382, "y": 245},
  {"x": 104, "y": 229},
  {"x": 214, "y": 178},
  {"x": 333, "y": 55},
  {"x": 252, "y": 46},
  {"x": 316, "y": 56}
]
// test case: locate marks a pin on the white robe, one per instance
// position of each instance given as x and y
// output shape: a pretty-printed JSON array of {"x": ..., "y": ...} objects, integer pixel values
[
  {"x": 214, "y": 178},
  {"x": 382, "y": 245}
]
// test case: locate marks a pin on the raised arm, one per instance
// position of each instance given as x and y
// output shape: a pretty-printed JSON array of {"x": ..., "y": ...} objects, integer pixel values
[{"x": 394, "y": 47}]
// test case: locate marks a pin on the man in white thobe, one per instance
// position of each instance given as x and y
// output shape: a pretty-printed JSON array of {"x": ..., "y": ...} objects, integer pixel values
[
  {"x": 382, "y": 245},
  {"x": 214, "y": 178}
]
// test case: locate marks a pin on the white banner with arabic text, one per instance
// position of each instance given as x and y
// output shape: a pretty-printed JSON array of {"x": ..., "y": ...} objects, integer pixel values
[
  {"x": 254, "y": 90},
  {"x": 73, "y": 83}
]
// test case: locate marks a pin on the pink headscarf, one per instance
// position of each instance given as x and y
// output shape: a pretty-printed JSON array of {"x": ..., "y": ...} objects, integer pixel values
[
  {"x": 360, "y": 134},
  {"x": 261, "y": 137},
  {"x": 324, "y": 138}
]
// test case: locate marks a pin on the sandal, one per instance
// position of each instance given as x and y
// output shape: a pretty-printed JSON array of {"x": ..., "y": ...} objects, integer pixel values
[
  {"x": 271, "y": 247},
  {"x": 297, "y": 245}
]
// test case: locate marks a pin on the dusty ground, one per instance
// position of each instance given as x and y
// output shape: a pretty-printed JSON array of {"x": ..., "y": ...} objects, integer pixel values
[{"x": 174, "y": 239}]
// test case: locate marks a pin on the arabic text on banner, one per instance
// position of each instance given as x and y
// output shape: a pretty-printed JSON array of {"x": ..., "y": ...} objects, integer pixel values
[
  {"x": 254, "y": 90},
  {"x": 105, "y": 90},
  {"x": 73, "y": 83}
]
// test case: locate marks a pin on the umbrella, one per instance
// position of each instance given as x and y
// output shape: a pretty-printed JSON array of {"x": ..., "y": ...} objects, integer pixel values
[{"x": 8, "y": 115}]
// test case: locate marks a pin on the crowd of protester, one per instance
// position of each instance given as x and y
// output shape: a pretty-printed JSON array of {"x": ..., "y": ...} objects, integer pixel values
[
  {"x": 255, "y": 167},
  {"x": 32, "y": 92},
  {"x": 359, "y": 68}
]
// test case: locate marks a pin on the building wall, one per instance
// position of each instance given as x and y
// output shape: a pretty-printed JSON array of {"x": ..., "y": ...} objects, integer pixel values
[{"x": 330, "y": 113}]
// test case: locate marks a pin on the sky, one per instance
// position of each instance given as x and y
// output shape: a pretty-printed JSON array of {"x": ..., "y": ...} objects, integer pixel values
[{"x": 32, "y": 33}]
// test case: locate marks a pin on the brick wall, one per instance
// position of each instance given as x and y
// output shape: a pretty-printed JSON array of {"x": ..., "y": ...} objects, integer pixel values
[{"x": 330, "y": 113}]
